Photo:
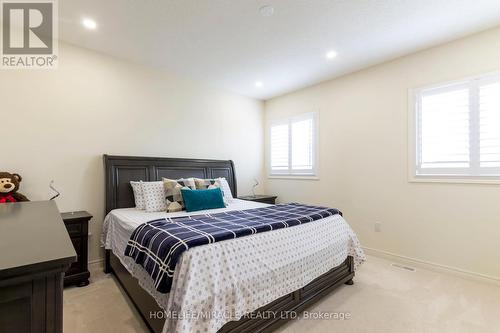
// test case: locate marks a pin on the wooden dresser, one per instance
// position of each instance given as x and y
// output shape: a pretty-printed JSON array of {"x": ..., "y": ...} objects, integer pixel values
[{"x": 35, "y": 252}]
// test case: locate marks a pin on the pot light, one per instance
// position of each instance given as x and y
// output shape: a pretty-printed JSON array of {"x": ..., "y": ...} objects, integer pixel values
[
  {"x": 331, "y": 54},
  {"x": 89, "y": 24},
  {"x": 266, "y": 11},
  {"x": 258, "y": 84}
]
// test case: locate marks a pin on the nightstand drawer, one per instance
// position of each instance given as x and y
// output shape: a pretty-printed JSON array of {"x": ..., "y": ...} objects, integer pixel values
[{"x": 74, "y": 229}]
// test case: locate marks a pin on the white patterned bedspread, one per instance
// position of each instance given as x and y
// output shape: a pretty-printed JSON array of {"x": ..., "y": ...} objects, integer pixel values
[{"x": 216, "y": 283}]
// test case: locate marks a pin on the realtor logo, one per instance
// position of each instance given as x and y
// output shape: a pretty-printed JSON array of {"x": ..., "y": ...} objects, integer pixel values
[{"x": 29, "y": 34}]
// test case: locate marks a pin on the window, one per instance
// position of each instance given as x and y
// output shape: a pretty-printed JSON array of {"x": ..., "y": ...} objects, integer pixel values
[
  {"x": 458, "y": 129},
  {"x": 293, "y": 146}
]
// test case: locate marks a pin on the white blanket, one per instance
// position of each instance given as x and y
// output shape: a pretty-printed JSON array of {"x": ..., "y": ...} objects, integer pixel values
[{"x": 216, "y": 283}]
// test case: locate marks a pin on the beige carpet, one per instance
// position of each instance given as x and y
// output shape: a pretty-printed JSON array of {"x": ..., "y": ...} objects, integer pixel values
[{"x": 383, "y": 299}]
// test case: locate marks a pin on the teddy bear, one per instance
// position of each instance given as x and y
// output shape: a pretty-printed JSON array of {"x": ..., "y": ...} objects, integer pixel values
[{"x": 9, "y": 184}]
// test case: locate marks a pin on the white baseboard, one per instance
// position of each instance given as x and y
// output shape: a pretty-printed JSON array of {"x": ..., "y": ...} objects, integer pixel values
[
  {"x": 96, "y": 263},
  {"x": 433, "y": 266}
]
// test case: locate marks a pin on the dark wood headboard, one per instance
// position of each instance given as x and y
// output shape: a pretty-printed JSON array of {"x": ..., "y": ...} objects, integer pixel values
[{"x": 120, "y": 170}]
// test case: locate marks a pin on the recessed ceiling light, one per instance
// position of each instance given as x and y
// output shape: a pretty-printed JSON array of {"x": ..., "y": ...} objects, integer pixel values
[
  {"x": 258, "y": 84},
  {"x": 89, "y": 24},
  {"x": 266, "y": 11},
  {"x": 331, "y": 55}
]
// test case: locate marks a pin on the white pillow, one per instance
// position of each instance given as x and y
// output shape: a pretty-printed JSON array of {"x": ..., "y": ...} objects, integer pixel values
[
  {"x": 154, "y": 196},
  {"x": 138, "y": 196},
  {"x": 228, "y": 196}
]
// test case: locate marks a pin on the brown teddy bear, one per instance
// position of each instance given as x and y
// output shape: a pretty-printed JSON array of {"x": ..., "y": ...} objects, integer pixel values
[{"x": 9, "y": 184}]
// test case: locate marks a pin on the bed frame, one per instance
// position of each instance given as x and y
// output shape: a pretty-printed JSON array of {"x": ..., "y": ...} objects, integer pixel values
[{"x": 120, "y": 170}]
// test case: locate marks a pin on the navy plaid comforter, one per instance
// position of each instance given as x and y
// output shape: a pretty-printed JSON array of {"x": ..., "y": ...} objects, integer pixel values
[{"x": 157, "y": 245}]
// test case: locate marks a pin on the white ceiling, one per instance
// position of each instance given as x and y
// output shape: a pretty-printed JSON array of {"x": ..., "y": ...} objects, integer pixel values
[{"x": 229, "y": 44}]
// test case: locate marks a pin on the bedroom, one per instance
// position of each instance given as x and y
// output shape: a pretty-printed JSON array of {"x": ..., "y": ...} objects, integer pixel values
[{"x": 232, "y": 81}]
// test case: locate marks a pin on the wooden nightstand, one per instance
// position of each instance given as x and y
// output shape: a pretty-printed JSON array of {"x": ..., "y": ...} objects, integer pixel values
[
  {"x": 268, "y": 199},
  {"x": 77, "y": 224}
]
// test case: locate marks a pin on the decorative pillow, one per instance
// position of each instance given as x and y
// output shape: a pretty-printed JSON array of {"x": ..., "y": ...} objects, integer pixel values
[
  {"x": 226, "y": 190},
  {"x": 154, "y": 196},
  {"x": 173, "y": 196},
  {"x": 203, "y": 184},
  {"x": 202, "y": 199},
  {"x": 138, "y": 196}
]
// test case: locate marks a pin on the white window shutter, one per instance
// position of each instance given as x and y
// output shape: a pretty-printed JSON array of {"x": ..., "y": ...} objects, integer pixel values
[
  {"x": 279, "y": 147},
  {"x": 458, "y": 129},
  {"x": 302, "y": 145},
  {"x": 293, "y": 146},
  {"x": 445, "y": 129},
  {"x": 489, "y": 125}
]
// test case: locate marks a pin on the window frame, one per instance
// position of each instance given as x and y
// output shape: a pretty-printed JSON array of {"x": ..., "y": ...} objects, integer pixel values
[
  {"x": 290, "y": 173},
  {"x": 452, "y": 175}
]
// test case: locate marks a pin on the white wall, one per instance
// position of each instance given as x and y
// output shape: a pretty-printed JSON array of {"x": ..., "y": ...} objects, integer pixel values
[
  {"x": 56, "y": 124},
  {"x": 363, "y": 160}
]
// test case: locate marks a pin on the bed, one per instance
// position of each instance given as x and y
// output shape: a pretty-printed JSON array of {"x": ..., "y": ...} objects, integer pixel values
[{"x": 272, "y": 288}]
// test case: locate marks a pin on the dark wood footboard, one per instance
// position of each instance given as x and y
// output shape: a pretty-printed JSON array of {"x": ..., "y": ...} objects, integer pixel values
[{"x": 281, "y": 308}]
